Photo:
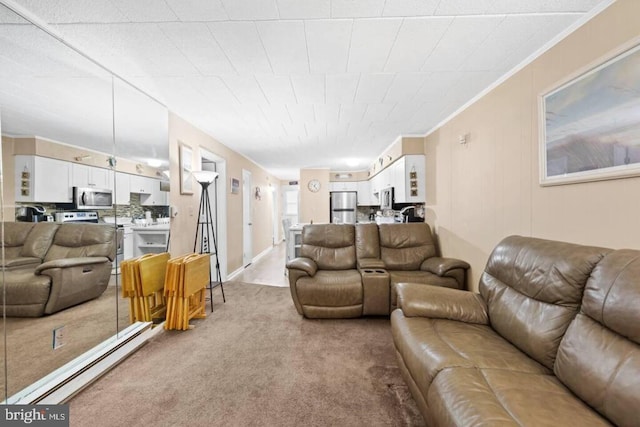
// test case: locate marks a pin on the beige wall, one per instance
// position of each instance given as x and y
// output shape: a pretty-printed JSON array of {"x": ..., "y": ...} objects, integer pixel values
[
  {"x": 480, "y": 192},
  {"x": 183, "y": 226},
  {"x": 314, "y": 207}
]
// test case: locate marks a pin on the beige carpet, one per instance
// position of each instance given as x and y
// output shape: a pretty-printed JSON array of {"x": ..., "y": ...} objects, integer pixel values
[{"x": 255, "y": 361}]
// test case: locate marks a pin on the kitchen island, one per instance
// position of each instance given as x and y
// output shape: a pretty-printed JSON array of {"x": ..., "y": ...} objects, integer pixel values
[{"x": 150, "y": 239}]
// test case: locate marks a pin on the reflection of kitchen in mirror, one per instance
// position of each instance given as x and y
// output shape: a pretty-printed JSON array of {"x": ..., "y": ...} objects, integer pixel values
[{"x": 78, "y": 146}]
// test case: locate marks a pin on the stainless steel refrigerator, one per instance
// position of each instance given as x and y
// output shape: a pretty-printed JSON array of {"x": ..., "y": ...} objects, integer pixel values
[{"x": 343, "y": 207}]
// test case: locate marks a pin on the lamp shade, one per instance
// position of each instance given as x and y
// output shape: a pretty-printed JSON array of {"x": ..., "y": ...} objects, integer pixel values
[{"x": 204, "y": 177}]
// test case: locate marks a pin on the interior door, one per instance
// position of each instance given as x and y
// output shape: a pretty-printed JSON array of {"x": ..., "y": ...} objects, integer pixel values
[{"x": 247, "y": 223}]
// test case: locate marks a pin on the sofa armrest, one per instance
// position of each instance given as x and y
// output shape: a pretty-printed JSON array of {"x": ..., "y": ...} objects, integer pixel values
[
  {"x": 70, "y": 262},
  {"x": 441, "y": 266},
  {"x": 307, "y": 265},
  {"x": 418, "y": 300},
  {"x": 370, "y": 263}
]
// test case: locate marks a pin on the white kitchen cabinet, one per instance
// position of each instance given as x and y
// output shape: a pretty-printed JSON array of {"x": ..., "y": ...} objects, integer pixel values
[
  {"x": 365, "y": 196},
  {"x": 156, "y": 198},
  {"x": 343, "y": 186},
  {"x": 42, "y": 180},
  {"x": 123, "y": 189},
  {"x": 406, "y": 188},
  {"x": 142, "y": 184},
  {"x": 150, "y": 240},
  {"x": 91, "y": 176}
]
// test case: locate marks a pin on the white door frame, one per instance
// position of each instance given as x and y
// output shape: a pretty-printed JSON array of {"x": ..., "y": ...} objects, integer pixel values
[
  {"x": 276, "y": 220},
  {"x": 221, "y": 213},
  {"x": 247, "y": 220}
]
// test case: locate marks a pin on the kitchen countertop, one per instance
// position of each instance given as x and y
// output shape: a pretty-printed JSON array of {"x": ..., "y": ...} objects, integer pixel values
[{"x": 156, "y": 227}]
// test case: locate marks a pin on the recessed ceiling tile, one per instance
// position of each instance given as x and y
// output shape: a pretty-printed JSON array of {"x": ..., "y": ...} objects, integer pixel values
[
  {"x": 459, "y": 41},
  {"x": 277, "y": 89},
  {"x": 285, "y": 44},
  {"x": 416, "y": 39},
  {"x": 242, "y": 44},
  {"x": 464, "y": 7},
  {"x": 246, "y": 89},
  {"x": 373, "y": 88},
  {"x": 250, "y": 10},
  {"x": 198, "y": 45},
  {"x": 307, "y": 9},
  {"x": 341, "y": 88},
  {"x": 410, "y": 7},
  {"x": 145, "y": 10},
  {"x": 356, "y": 8},
  {"x": 198, "y": 10},
  {"x": 309, "y": 89},
  {"x": 371, "y": 43},
  {"x": 328, "y": 45}
]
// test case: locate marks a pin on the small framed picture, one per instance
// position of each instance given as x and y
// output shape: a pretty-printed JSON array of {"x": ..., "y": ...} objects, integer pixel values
[
  {"x": 414, "y": 193},
  {"x": 414, "y": 183},
  {"x": 186, "y": 162},
  {"x": 235, "y": 186},
  {"x": 25, "y": 175},
  {"x": 413, "y": 175}
]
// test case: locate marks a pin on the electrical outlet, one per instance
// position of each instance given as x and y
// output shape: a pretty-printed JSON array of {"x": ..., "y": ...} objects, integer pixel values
[{"x": 59, "y": 336}]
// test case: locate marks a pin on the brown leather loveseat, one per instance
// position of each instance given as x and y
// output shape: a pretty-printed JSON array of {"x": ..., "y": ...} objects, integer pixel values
[
  {"x": 348, "y": 271},
  {"x": 552, "y": 339},
  {"x": 49, "y": 267}
]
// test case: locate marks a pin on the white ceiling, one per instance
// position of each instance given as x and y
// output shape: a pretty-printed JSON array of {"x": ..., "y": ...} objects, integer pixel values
[{"x": 310, "y": 83}]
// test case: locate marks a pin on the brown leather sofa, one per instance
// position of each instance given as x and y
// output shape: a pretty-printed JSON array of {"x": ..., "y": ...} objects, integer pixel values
[
  {"x": 349, "y": 271},
  {"x": 49, "y": 267},
  {"x": 551, "y": 339}
]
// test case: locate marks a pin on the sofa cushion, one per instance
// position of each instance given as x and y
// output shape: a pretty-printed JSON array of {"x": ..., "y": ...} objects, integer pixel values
[
  {"x": 422, "y": 277},
  {"x": 533, "y": 288},
  {"x": 405, "y": 246},
  {"x": 330, "y": 289},
  {"x": 599, "y": 357},
  {"x": 331, "y": 246},
  {"x": 82, "y": 240},
  {"x": 367, "y": 241},
  {"x": 13, "y": 237},
  {"x": 497, "y": 397},
  {"x": 39, "y": 240},
  {"x": 428, "y": 346},
  {"x": 24, "y": 287}
]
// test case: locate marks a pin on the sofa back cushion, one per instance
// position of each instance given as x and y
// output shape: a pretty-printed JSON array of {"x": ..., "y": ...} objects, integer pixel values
[
  {"x": 367, "y": 241},
  {"x": 406, "y": 246},
  {"x": 83, "y": 240},
  {"x": 331, "y": 246},
  {"x": 39, "y": 240},
  {"x": 15, "y": 234},
  {"x": 533, "y": 289},
  {"x": 599, "y": 356}
]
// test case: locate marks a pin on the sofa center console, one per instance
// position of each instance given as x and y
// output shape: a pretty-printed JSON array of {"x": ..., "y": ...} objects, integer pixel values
[{"x": 375, "y": 288}]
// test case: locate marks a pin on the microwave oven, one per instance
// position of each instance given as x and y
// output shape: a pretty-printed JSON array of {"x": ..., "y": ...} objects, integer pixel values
[
  {"x": 92, "y": 198},
  {"x": 386, "y": 198}
]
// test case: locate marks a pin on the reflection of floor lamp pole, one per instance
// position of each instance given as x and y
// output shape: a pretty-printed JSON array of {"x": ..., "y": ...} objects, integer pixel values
[{"x": 205, "y": 228}]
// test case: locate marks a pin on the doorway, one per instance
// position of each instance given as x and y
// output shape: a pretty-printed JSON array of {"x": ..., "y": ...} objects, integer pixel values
[
  {"x": 217, "y": 197},
  {"x": 247, "y": 223}
]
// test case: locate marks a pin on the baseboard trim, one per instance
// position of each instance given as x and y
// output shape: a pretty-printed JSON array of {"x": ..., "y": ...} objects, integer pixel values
[{"x": 67, "y": 381}]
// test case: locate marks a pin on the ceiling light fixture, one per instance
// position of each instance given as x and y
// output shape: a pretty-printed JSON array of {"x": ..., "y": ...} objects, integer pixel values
[{"x": 154, "y": 163}]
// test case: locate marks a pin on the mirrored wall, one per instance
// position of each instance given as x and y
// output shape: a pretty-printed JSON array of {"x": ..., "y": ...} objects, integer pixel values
[{"x": 74, "y": 124}]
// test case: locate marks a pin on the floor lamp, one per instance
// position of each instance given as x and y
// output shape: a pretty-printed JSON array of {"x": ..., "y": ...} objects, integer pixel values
[{"x": 205, "y": 229}]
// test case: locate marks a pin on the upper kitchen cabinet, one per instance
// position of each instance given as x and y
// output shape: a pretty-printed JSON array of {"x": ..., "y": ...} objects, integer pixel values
[
  {"x": 123, "y": 189},
  {"x": 343, "y": 186},
  {"x": 42, "y": 180},
  {"x": 142, "y": 184},
  {"x": 365, "y": 195},
  {"x": 91, "y": 176},
  {"x": 149, "y": 189}
]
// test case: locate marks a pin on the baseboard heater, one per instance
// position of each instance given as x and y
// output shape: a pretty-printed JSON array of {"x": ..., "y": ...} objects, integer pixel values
[{"x": 67, "y": 381}]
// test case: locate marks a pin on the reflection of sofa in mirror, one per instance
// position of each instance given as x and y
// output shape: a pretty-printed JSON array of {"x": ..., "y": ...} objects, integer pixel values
[{"x": 49, "y": 267}]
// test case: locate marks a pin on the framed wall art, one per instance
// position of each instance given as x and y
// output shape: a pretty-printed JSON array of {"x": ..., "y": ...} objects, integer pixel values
[
  {"x": 186, "y": 166},
  {"x": 590, "y": 126}
]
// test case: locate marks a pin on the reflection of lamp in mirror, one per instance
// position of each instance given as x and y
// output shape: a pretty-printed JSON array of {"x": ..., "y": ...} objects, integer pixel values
[{"x": 205, "y": 228}]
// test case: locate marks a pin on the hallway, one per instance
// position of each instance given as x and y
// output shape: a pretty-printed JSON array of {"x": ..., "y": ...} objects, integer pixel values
[{"x": 268, "y": 270}]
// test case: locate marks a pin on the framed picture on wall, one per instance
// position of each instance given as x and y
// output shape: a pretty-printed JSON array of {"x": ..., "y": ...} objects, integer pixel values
[
  {"x": 589, "y": 125},
  {"x": 235, "y": 186},
  {"x": 186, "y": 166}
]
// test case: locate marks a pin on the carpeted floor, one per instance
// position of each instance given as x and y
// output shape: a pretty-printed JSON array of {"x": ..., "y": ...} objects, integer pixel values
[{"x": 255, "y": 361}]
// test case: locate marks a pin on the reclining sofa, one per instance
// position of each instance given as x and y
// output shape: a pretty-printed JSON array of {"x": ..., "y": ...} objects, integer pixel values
[
  {"x": 552, "y": 339},
  {"x": 347, "y": 271},
  {"x": 49, "y": 267}
]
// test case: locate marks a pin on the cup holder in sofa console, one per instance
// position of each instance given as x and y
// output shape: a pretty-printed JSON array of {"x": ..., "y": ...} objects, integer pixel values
[{"x": 375, "y": 287}]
